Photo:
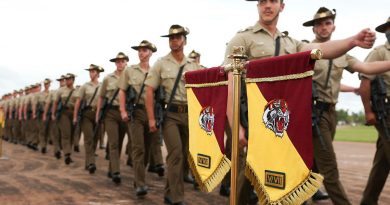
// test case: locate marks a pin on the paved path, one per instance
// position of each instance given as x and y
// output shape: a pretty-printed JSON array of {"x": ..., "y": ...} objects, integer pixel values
[{"x": 30, "y": 178}]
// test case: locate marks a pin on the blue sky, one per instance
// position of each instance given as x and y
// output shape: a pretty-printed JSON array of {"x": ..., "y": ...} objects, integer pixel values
[{"x": 46, "y": 38}]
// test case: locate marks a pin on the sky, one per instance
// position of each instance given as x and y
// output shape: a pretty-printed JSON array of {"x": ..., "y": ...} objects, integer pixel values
[{"x": 46, "y": 38}]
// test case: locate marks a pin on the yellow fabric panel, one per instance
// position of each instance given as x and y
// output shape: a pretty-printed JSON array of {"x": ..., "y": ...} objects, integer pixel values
[
  {"x": 199, "y": 141},
  {"x": 266, "y": 151}
]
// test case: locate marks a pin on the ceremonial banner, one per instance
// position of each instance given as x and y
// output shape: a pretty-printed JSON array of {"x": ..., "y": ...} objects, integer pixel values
[
  {"x": 280, "y": 149},
  {"x": 207, "y": 99}
]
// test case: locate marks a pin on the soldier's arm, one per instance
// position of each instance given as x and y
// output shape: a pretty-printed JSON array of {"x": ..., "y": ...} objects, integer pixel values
[
  {"x": 76, "y": 109},
  {"x": 34, "y": 110},
  {"x": 54, "y": 109},
  {"x": 365, "y": 93},
  {"x": 122, "y": 105},
  {"x": 149, "y": 104},
  {"x": 371, "y": 67},
  {"x": 98, "y": 106},
  {"x": 335, "y": 48}
]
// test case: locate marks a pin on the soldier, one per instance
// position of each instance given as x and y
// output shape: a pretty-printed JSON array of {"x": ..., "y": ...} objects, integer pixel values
[
  {"x": 65, "y": 97},
  {"x": 16, "y": 129},
  {"x": 141, "y": 137},
  {"x": 43, "y": 126},
  {"x": 168, "y": 72},
  {"x": 23, "y": 124},
  {"x": 52, "y": 124},
  {"x": 31, "y": 125},
  {"x": 264, "y": 40},
  {"x": 85, "y": 112},
  {"x": 196, "y": 57},
  {"x": 114, "y": 126},
  {"x": 381, "y": 165},
  {"x": 12, "y": 107},
  {"x": 327, "y": 77}
]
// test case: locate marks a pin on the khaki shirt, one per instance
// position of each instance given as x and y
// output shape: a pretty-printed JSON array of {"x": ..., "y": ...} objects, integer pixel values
[
  {"x": 63, "y": 93},
  {"x": 109, "y": 87},
  {"x": 259, "y": 43},
  {"x": 134, "y": 76},
  {"x": 164, "y": 73},
  {"x": 87, "y": 91},
  {"x": 329, "y": 93},
  {"x": 380, "y": 53}
]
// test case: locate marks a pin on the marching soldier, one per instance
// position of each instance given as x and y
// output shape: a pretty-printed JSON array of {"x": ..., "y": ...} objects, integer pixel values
[
  {"x": 108, "y": 105},
  {"x": 168, "y": 73},
  {"x": 52, "y": 124},
  {"x": 30, "y": 128},
  {"x": 196, "y": 57},
  {"x": 381, "y": 165},
  {"x": 12, "y": 107},
  {"x": 85, "y": 112},
  {"x": 77, "y": 132},
  {"x": 62, "y": 112},
  {"x": 43, "y": 126},
  {"x": 16, "y": 129},
  {"x": 327, "y": 77},
  {"x": 264, "y": 40},
  {"x": 23, "y": 124},
  {"x": 135, "y": 113}
]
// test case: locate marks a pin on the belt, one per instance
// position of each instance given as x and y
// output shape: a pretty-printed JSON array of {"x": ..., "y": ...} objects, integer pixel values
[
  {"x": 139, "y": 106},
  {"x": 178, "y": 108},
  {"x": 324, "y": 106},
  {"x": 116, "y": 107}
]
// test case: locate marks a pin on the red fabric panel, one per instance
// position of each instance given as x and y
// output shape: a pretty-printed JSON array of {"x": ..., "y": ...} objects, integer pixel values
[
  {"x": 297, "y": 93},
  {"x": 216, "y": 97}
]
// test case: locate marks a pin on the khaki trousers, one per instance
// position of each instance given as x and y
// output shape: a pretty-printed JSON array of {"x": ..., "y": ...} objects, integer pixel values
[
  {"x": 141, "y": 139},
  {"x": 55, "y": 135},
  {"x": 325, "y": 159},
  {"x": 175, "y": 131},
  {"x": 87, "y": 126},
  {"x": 380, "y": 169},
  {"x": 16, "y": 130},
  {"x": 43, "y": 133},
  {"x": 116, "y": 130},
  {"x": 66, "y": 130}
]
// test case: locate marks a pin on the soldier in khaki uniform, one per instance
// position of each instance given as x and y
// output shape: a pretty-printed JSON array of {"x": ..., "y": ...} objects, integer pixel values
[
  {"x": 53, "y": 127},
  {"x": 327, "y": 77},
  {"x": 35, "y": 114},
  {"x": 264, "y": 40},
  {"x": 196, "y": 57},
  {"x": 12, "y": 108},
  {"x": 77, "y": 130},
  {"x": 87, "y": 95},
  {"x": 43, "y": 126},
  {"x": 66, "y": 95},
  {"x": 175, "y": 125},
  {"x": 30, "y": 128},
  {"x": 16, "y": 129},
  {"x": 381, "y": 165},
  {"x": 138, "y": 125},
  {"x": 23, "y": 124},
  {"x": 114, "y": 126}
]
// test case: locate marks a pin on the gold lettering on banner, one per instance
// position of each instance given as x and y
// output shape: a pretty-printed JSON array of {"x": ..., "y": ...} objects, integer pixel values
[
  {"x": 204, "y": 161},
  {"x": 275, "y": 179}
]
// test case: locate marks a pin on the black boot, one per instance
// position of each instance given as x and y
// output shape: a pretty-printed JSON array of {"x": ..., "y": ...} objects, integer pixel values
[
  {"x": 68, "y": 160},
  {"x": 319, "y": 195}
]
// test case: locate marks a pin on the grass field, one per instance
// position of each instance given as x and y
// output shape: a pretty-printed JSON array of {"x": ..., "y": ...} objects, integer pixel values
[{"x": 359, "y": 133}]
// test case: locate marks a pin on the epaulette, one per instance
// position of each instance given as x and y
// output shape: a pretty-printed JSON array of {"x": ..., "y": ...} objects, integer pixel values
[
  {"x": 284, "y": 33},
  {"x": 246, "y": 29}
]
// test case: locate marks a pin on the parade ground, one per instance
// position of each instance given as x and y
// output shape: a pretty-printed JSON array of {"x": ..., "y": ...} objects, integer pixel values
[{"x": 29, "y": 178}]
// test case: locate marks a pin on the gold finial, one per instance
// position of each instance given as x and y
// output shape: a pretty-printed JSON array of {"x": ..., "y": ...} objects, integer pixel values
[
  {"x": 316, "y": 54},
  {"x": 239, "y": 59}
]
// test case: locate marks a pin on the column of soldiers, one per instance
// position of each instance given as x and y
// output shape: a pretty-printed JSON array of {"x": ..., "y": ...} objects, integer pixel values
[{"x": 127, "y": 102}]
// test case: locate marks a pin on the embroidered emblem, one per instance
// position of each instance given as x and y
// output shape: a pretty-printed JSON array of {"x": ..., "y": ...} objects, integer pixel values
[
  {"x": 276, "y": 116},
  {"x": 275, "y": 179},
  {"x": 204, "y": 161},
  {"x": 207, "y": 119}
]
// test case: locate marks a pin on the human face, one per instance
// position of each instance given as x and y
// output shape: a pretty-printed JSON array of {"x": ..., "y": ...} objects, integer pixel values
[
  {"x": 177, "y": 42},
  {"x": 323, "y": 29},
  {"x": 269, "y": 11},
  {"x": 144, "y": 54},
  {"x": 62, "y": 82},
  {"x": 69, "y": 82},
  {"x": 121, "y": 64},
  {"x": 47, "y": 86},
  {"x": 93, "y": 74}
]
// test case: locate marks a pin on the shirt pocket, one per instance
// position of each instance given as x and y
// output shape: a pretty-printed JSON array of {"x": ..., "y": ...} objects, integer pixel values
[
  {"x": 168, "y": 77},
  {"x": 259, "y": 50},
  {"x": 136, "y": 80}
]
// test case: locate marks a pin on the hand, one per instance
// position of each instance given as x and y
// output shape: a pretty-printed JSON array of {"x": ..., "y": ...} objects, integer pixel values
[
  {"x": 124, "y": 116},
  {"x": 370, "y": 118},
  {"x": 365, "y": 38},
  {"x": 356, "y": 91},
  {"x": 242, "y": 141},
  {"x": 44, "y": 118},
  {"x": 74, "y": 120},
  {"x": 34, "y": 116},
  {"x": 53, "y": 117},
  {"x": 152, "y": 125}
]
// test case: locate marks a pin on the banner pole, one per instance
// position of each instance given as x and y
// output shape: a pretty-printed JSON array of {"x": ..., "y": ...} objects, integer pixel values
[{"x": 238, "y": 65}]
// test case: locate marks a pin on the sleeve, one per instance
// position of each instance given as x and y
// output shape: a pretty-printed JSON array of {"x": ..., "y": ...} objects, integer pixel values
[
  {"x": 103, "y": 87},
  {"x": 124, "y": 79},
  {"x": 372, "y": 56},
  {"x": 237, "y": 40},
  {"x": 153, "y": 79},
  {"x": 81, "y": 92},
  {"x": 351, "y": 62}
]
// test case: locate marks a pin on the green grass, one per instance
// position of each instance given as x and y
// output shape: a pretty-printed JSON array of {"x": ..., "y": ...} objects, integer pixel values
[{"x": 359, "y": 133}]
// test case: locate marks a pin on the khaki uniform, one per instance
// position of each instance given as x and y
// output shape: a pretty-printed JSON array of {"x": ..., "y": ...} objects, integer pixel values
[
  {"x": 114, "y": 126},
  {"x": 77, "y": 132},
  {"x": 175, "y": 125},
  {"x": 43, "y": 126},
  {"x": 23, "y": 123},
  {"x": 54, "y": 130},
  {"x": 258, "y": 44},
  {"x": 138, "y": 126},
  {"x": 325, "y": 159},
  {"x": 11, "y": 108},
  {"x": 16, "y": 132},
  {"x": 381, "y": 165},
  {"x": 31, "y": 128},
  {"x": 66, "y": 118},
  {"x": 85, "y": 93},
  {"x": 6, "y": 120}
]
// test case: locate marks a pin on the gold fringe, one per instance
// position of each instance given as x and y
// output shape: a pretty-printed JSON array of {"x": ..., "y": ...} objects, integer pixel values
[
  {"x": 204, "y": 85},
  {"x": 215, "y": 178},
  {"x": 296, "y": 197},
  {"x": 281, "y": 78}
]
